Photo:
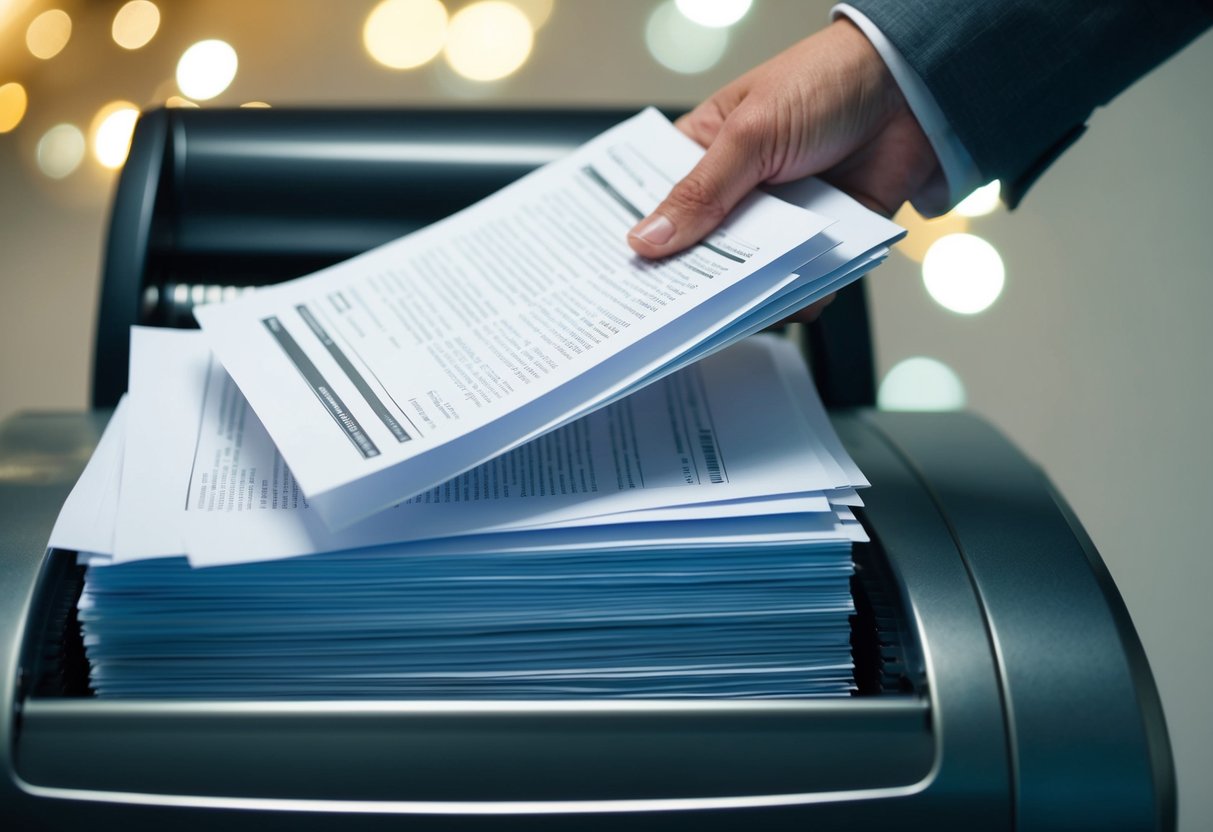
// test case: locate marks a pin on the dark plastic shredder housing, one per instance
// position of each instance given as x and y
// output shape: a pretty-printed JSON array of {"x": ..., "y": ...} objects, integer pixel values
[{"x": 1001, "y": 683}]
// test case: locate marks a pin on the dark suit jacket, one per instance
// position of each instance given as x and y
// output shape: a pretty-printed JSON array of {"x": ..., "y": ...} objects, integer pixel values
[{"x": 1018, "y": 79}]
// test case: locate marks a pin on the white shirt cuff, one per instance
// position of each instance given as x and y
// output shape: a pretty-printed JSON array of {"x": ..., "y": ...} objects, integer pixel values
[{"x": 958, "y": 167}]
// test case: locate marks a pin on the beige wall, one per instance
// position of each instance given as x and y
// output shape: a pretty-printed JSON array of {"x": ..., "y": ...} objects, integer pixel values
[{"x": 1096, "y": 359}]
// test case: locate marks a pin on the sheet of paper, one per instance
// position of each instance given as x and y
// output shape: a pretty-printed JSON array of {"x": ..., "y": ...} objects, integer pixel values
[
  {"x": 160, "y": 451},
  {"x": 844, "y": 497},
  {"x": 703, "y": 436},
  {"x": 88, "y": 519},
  {"x": 719, "y": 534},
  {"x": 850, "y": 247},
  {"x": 472, "y": 336},
  {"x": 802, "y": 390}
]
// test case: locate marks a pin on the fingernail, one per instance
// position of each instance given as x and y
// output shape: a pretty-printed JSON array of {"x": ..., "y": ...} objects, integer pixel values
[{"x": 656, "y": 230}]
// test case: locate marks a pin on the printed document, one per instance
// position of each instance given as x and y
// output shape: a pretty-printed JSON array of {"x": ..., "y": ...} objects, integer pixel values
[
  {"x": 391, "y": 373},
  {"x": 727, "y": 437}
]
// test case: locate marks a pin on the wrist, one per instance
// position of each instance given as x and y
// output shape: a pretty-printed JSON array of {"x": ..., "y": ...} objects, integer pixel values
[
  {"x": 956, "y": 173},
  {"x": 879, "y": 93}
]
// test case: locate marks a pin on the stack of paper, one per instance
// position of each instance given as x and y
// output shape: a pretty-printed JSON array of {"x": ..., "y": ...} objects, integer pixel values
[
  {"x": 501, "y": 457},
  {"x": 432, "y": 622},
  {"x": 392, "y": 372},
  {"x": 708, "y": 555}
]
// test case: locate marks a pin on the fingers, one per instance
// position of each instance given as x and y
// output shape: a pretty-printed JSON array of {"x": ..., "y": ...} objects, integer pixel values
[
  {"x": 701, "y": 124},
  {"x": 696, "y": 205},
  {"x": 704, "y": 122},
  {"x": 825, "y": 105}
]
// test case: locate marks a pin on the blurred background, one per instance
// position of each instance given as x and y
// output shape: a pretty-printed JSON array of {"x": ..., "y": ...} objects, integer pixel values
[{"x": 1077, "y": 324}]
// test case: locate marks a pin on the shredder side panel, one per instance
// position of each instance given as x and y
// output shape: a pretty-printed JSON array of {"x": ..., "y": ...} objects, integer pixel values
[
  {"x": 1088, "y": 736},
  {"x": 42, "y": 455},
  {"x": 974, "y": 774}
]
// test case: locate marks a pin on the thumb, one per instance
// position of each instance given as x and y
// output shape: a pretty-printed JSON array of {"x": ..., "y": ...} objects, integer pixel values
[{"x": 728, "y": 171}]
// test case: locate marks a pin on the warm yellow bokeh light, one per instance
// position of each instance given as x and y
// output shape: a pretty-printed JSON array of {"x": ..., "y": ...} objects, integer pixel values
[
  {"x": 536, "y": 11},
  {"x": 488, "y": 40},
  {"x": 921, "y": 232},
  {"x": 13, "y": 102},
  {"x": 255, "y": 105},
  {"x": 111, "y": 132},
  {"x": 60, "y": 150},
  {"x": 135, "y": 24},
  {"x": 981, "y": 202},
  {"x": 403, "y": 34},
  {"x": 178, "y": 101},
  {"x": 206, "y": 69},
  {"x": 48, "y": 34}
]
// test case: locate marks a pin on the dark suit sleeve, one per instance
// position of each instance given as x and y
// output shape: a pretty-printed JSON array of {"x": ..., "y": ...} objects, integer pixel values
[{"x": 1017, "y": 79}]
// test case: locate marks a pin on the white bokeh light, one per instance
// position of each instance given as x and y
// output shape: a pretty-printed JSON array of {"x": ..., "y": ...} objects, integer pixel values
[
  {"x": 60, "y": 150},
  {"x": 981, "y": 202},
  {"x": 682, "y": 45},
  {"x": 714, "y": 13},
  {"x": 404, "y": 34},
  {"x": 921, "y": 383},
  {"x": 488, "y": 40},
  {"x": 963, "y": 273},
  {"x": 206, "y": 69}
]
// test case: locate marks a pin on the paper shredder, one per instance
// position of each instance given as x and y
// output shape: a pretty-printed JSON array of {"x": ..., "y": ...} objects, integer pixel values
[{"x": 1001, "y": 685}]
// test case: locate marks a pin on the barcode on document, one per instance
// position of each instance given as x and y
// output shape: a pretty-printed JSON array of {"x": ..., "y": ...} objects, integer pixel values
[{"x": 707, "y": 444}]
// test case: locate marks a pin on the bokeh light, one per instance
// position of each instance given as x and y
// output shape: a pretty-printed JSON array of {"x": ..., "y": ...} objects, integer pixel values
[
  {"x": 177, "y": 101},
  {"x": 136, "y": 24},
  {"x": 963, "y": 273},
  {"x": 206, "y": 69},
  {"x": 13, "y": 102},
  {"x": 921, "y": 233},
  {"x": 536, "y": 11},
  {"x": 682, "y": 45},
  {"x": 403, "y": 34},
  {"x": 111, "y": 132},
  {"x": 981, "y": 202},
  {"x": 48, "y": 33},
  {"x": 921, "y": 383},
  {"x": 255, "y": 105},
  {"x": 488, "y": 40},
  {"x": 60, "y": 150},
  {"x": 714, "y": 13}
]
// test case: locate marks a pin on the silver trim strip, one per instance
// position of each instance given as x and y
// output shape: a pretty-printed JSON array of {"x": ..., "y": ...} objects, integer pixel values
[
  {"x": 435, "y": 807},
  {"x": 465, "y": 153}
]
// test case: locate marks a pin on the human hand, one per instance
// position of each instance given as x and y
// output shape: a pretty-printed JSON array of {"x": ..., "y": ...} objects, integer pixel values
[{"x": 826, "y": 106}]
